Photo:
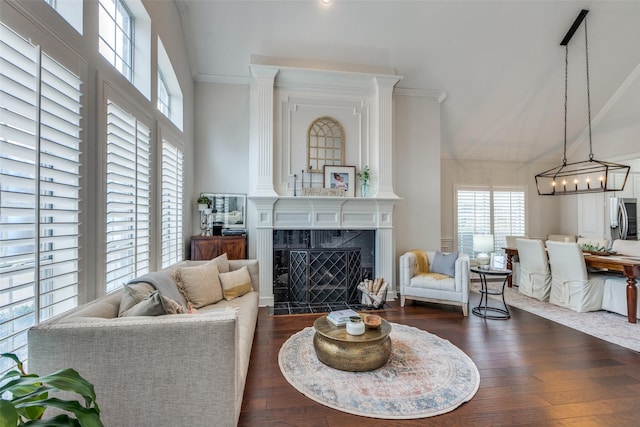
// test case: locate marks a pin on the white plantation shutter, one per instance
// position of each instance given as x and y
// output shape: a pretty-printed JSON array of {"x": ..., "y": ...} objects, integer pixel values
[
  {"x": 474, "y": 217},
  {"x": 171, "y": 204},
  {"x": 128, "y": 197},
  {"x": 40, "y": 150},
  {"x": 508, "y": 216},
  {"x": 488, "y": 210}
]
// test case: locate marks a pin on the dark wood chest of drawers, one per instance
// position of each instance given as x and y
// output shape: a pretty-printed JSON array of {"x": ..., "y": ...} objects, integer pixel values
[{"x": 209, "y": 247}]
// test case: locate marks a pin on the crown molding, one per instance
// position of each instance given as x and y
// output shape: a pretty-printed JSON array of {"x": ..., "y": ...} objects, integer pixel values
[{"x": 230, "y": 80}]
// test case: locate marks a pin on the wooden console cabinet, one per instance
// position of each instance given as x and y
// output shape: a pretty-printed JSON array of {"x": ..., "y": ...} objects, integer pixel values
[{"x": 209, "y": 247}]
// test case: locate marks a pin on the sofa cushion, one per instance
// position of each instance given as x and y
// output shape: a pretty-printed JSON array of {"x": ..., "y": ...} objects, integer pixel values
[
  {"x": 222, "y": 262},
  {"x": 444, "y": 263},
  {"x": 133, "y": 294},
  {"x": 200, "y": 285},
  {"x": 154, "y": 305},
  {"x": 236, "y": 283}
]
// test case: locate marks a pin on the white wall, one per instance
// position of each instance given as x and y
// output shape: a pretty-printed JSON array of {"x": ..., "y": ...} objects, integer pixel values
[{"x": 416, "y": 177}]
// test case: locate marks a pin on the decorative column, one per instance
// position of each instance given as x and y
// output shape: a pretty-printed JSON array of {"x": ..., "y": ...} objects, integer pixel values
[
  {"x": 264, "y": 246},
  {"x": 382, "y": 148},
  {"x": 386, "y": 245},
  {"x": 261, "y": 149}
]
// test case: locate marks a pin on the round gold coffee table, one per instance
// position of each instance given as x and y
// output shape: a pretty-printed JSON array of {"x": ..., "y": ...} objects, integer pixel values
[{"x": 355, "y": 353}]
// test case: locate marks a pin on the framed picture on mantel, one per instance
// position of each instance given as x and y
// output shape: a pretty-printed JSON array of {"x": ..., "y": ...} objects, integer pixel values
[{"x": 341, "y": 178}]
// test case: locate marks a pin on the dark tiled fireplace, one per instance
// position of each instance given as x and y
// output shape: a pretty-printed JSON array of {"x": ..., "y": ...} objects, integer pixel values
[{"x": 319, "y": 270}]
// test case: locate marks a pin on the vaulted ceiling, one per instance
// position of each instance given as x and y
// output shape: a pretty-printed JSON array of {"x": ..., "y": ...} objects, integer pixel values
[{"x": 498, "y": 65}]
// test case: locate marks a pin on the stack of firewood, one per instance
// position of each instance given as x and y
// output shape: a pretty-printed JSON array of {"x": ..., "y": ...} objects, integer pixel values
[{"x": 374, "y": 292}]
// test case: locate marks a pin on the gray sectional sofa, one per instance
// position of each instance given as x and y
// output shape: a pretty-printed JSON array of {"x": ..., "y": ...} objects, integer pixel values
[{"x": 169, "y": 370}]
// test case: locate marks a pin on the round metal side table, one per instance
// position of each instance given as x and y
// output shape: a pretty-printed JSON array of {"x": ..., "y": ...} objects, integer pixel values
[{"x": 483, "y": 309}]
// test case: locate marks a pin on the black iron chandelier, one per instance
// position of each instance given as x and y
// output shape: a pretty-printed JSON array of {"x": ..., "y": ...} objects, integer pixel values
[{"x": 588, "y": 176}]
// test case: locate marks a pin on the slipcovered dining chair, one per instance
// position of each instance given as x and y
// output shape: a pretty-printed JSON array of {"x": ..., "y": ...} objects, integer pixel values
[
  {"x": 571, "y": 285},
  {"x": 535, "y": 275},
  {"x": 432, "y": 276},
  {"x": 614, "y": 298}
]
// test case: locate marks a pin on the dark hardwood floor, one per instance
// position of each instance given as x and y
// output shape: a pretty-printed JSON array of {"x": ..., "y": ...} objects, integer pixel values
[{"x": 534, "y": 372}]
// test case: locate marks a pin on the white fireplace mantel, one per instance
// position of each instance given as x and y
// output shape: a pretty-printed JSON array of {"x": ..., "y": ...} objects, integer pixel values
[{"x": 331, "y": 213}]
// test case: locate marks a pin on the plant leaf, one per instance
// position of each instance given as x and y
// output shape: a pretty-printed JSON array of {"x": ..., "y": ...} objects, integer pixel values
[
  {"x": 15, "y": 359},
  {"x": 70, "y": 380},
  {"x": 62, "y": 420},
  {"x": 87, "y": 417},
  {"x": 8, "y": 414}
]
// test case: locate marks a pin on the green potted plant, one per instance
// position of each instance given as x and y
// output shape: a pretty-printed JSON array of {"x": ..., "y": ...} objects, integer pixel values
[
  {"x": 28, "y": 398},
  {"x": 364, "y": 176},
  {"x": 203, "y": 203}
]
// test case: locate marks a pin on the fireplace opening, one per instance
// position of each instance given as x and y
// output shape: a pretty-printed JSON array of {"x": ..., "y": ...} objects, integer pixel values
[{"x": 319, "y": 270}]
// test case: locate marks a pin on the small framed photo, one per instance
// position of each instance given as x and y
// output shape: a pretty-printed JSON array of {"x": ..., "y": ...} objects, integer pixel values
[
  {"x": 498, "y": 262},
  {"x": 341, "y": 178}
]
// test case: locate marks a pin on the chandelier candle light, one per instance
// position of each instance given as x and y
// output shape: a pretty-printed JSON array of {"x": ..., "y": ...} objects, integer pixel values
[{"x": 589, "y": 176}]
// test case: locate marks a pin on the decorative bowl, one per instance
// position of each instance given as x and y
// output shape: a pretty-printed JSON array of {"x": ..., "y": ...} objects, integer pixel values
[{"x": 372, "y": 321}]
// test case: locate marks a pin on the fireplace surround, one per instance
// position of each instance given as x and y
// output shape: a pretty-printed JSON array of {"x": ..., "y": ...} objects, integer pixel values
[{"x": 284, "y": 100}]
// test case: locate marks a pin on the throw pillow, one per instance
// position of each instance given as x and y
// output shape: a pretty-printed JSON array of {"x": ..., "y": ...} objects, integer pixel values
[
  {"x": 222, "y": 262},
  {"x": 236, "y": 283},
  {"x": 200, "y": 285},
  {"x": 149, "y": 306},
  {"x": 444, "y": 263},
  {"x": 133, "y": 294}
]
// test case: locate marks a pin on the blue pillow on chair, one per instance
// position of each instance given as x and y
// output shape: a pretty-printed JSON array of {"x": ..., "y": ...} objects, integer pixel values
[{"x": 444, "y": 263}]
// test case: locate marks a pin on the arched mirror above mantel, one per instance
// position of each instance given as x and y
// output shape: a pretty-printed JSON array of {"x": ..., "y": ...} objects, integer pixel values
[{"x": 325, "y": 144}]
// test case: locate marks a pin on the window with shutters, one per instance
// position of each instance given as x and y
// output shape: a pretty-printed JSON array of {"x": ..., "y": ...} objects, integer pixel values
[
  {"x": 128, "y": 188},
  {"x": 40, "y": 148},
  {"x": 171, "y": 204},
  {"x": 489, "y": 210}
]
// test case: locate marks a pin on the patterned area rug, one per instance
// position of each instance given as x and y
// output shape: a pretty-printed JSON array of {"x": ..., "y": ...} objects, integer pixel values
[
  {"x": 601, "y": 324},
  {"x": 425, "y": 376}
]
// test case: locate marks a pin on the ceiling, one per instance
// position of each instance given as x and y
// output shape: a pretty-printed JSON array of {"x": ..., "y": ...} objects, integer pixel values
[{"x": 498, "y": 64}]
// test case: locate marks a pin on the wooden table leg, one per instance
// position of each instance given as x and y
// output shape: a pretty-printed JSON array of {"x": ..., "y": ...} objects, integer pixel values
[{"x": 632, "y": 295}]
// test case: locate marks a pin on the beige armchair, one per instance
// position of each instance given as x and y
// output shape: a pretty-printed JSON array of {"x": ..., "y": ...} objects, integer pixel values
[{"x": 438, "y": 288}]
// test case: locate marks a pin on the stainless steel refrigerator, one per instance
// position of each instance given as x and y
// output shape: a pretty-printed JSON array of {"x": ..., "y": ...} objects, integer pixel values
[{"x": 624, "y": 218}]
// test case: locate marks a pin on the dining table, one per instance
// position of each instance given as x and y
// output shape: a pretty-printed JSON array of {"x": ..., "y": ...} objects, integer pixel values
[{"x": 629, "y": 266}]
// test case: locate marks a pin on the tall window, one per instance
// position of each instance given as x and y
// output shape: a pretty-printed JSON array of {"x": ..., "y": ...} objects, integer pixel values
[
  {"x": 39, "y": 189},
  {"x": 170, "y": 99},
  {"x": 70, "y": 10},
  {"x": 116, "y": 35},
  {"x": 128, "y": 197},
  {"x": 164, "y": 100},
  {"x": 489, "y": 210},
  {"x": 171, "y": 204}
]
